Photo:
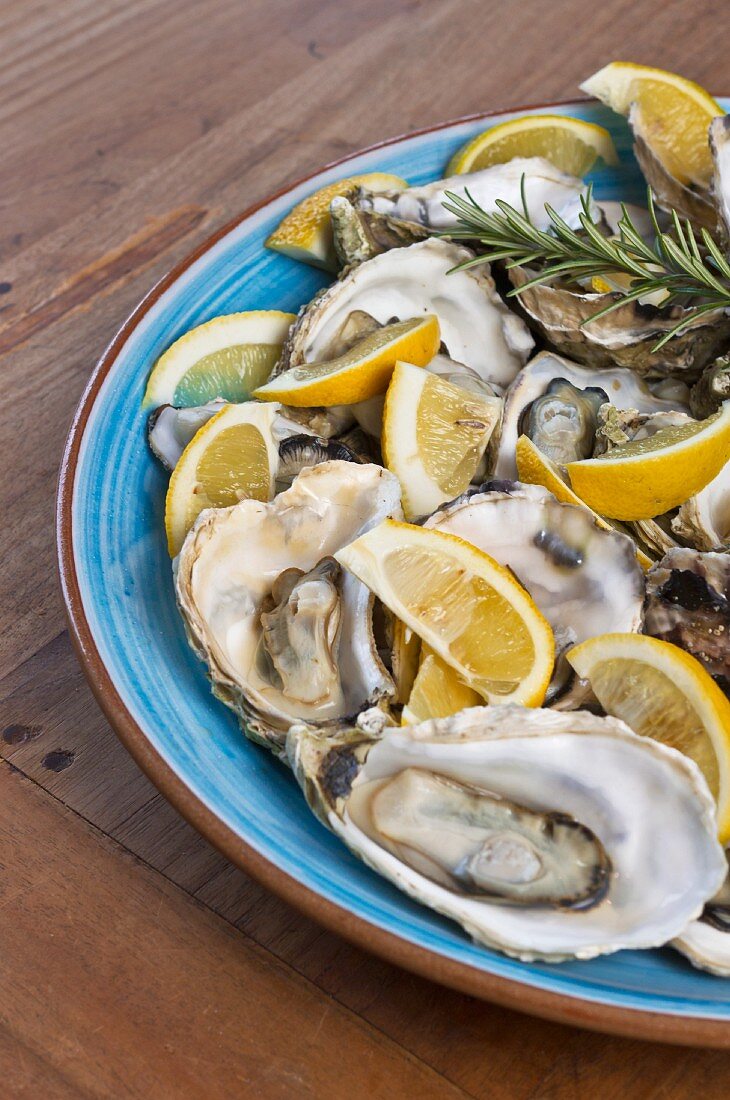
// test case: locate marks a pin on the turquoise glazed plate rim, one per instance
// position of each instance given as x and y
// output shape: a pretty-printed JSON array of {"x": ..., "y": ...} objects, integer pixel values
[{"x": 117, "y": 587}]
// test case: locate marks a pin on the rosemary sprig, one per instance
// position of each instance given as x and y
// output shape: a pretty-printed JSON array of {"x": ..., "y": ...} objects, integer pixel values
[{"x": 673, "y": 264}]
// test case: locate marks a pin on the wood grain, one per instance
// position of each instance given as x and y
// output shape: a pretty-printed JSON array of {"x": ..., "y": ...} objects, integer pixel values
[{"x": 130, "y": 130}]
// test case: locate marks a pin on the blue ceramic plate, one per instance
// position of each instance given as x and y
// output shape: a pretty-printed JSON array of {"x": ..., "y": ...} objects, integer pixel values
[{"x": 118, "y": 588}]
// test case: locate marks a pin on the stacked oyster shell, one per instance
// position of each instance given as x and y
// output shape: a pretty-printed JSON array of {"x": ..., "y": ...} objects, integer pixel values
[{"x": 535, "y": 829}]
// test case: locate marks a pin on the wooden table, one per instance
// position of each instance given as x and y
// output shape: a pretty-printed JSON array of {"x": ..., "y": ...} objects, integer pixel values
[{"x": 135, "y": 961}]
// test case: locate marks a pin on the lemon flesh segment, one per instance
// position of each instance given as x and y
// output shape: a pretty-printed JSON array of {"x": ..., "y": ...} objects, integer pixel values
[
  {"x": 469, "y": 609},
  {"x": 360, "y": 373},
  {"x": 535, "y": 468},
  {"x": 673, "y": 115},
  {"x": 306, "y": 232},
  {"x": 648, "y": 477},
  {"x": 226, "y": 357},
  {"x": 233, "y": 457},
  {"x": 663, "y": 693},
  {"x": 232, "y": 373},
  {"x": 434, "y": 436},
  {"x": 437, "y": 692},
  {"x": 571, "y": 144}
]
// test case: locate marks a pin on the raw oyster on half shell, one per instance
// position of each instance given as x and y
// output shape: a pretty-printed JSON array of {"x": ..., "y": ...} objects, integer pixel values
[
  {"x": 624, "y": 389},
  {"x": 285, "y": 633},
  {"x": 535, "y": 830}
]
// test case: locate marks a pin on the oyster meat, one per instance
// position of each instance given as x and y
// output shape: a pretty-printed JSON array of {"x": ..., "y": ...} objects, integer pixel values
[
  {"x": 477, "y": 329},
  {"x": 284, "y": 633},
  {"x": 688, "y": 603},
  {"x": 535, "y": 830},
  {"x": 623, "y": 387},
  {"x": 584, "y": 579}
]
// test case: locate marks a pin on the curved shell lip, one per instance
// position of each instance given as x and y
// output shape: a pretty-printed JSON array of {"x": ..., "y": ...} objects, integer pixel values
[{"x": 592, "y": 1013}]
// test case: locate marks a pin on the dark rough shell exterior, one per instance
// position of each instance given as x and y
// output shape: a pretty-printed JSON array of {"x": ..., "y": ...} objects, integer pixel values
[{"x": 624, "y": 338}]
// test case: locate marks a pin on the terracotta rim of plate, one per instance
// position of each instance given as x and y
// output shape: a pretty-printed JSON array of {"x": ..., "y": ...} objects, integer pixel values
[{"x": 562, "y": 1008}]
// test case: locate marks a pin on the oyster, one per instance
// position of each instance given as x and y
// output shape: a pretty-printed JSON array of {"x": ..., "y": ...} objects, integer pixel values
[
  {"x": 535, "y": 830},
  {"x": 703, "y": 521},
  {"x": 688, "y": 603},
  {"x": 477, "y": 329},
  {"x": 584, "y": 579},
  {"x": 625, "y": 390},
  {"x": 720, "y": 146},
  {"x": 544, "y": 183},
  {"x": 275, "y": 623},
  {"x": 706, "y": 942},
  {"x": 627, "y": 336},
  {"x": 359, "y": 234}
]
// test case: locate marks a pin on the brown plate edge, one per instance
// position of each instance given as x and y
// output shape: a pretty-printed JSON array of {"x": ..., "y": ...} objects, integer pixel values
[{"x": 575, "y": 1011}]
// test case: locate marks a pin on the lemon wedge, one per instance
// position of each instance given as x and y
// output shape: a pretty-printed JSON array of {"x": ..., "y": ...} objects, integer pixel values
[
  {"x": 673, "y": 115},
  {"x": 571, "y": 144},
  {"x": 434, "y": 436},
  {"x": 438, "y": 691},
  {"x": 662, "y": 692},
  {"x": 306, "y": 232},
  {"x": 647, "y": 477},
  {"x": 535, "y": 468},
  {"x": 464, "y": 605},
  {"x": 226, "y": 357},
  {"x": 362, "y": 372},
  {"x": 231, "y": 458}
]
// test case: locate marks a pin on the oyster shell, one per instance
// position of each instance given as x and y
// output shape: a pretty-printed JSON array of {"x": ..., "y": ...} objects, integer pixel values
[
  {"x": 706, "y": 942},
  {"x": 627, "y": 336},
  {"x": 544, "y": 183},
  {"x": 624, "y": 388},
  {"x": 720, "y": 146},
  {"x": 688, "y": 603},
  {"x": 246, "y": 573},
  {"x": 703, "y": 521},
  {"x": 456, "y": 813},
  {"x": 712, "y": 388},
  {"x": 359, "y": 234},
  {"x": 585, "y": 580},
  {"x": 477, "y": 329}
]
